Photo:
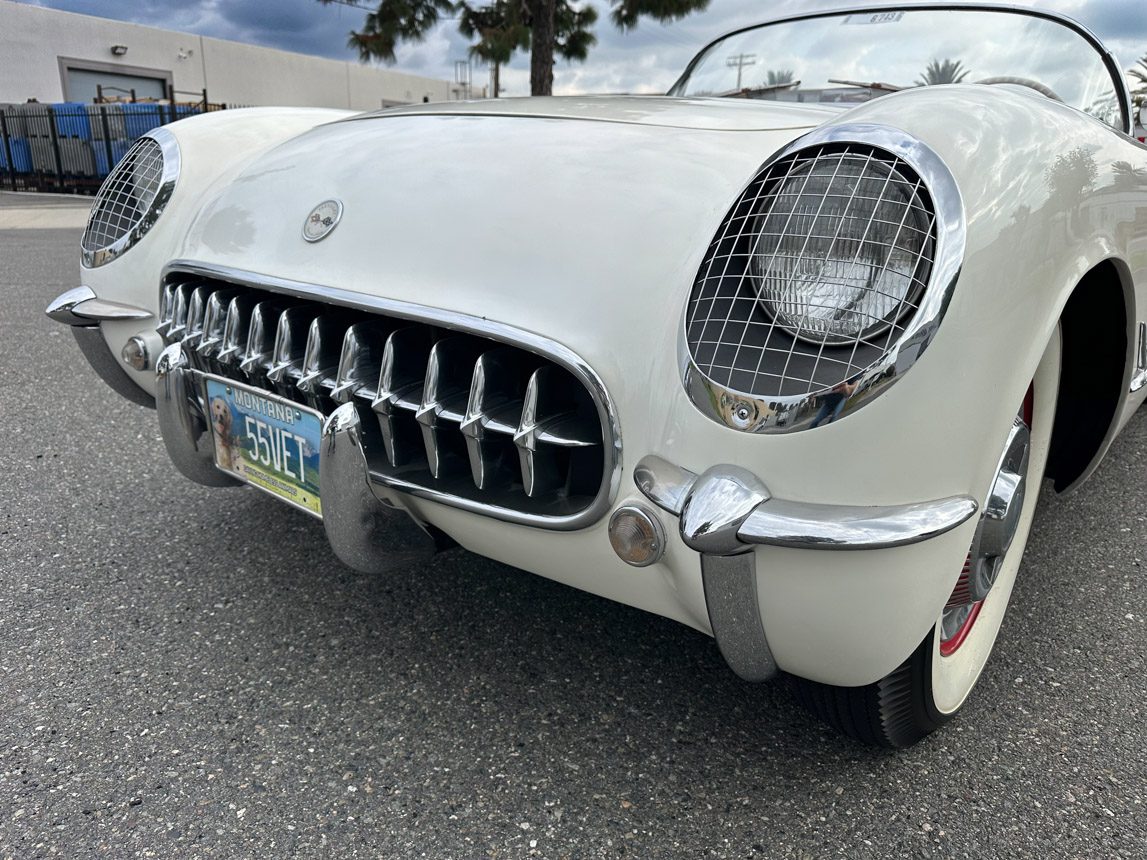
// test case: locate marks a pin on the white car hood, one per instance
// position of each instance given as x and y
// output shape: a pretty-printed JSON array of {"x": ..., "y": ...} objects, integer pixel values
[
  {"x": 553, "y": 224},
  {"x": 712, "y": 113}
]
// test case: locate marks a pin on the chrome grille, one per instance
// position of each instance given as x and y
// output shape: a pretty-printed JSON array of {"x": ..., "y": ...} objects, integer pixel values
[
  {"x": 451, "y": 412},
  {"x": 126, "y": 196},
  {"x": 829, "y": 216}
]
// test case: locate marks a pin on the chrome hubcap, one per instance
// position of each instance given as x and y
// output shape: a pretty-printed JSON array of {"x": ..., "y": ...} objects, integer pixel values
[{"x": 998, "y": 526}]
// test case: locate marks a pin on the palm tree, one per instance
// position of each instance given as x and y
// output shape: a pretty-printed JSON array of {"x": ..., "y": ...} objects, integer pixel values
[
  {"x": 1137, "y": 78},
  {"x": 943, "y": 72},
  {"x": 779, "y": 76}
]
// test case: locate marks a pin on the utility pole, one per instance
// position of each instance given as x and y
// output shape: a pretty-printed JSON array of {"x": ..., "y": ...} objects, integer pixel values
[{"x": 740, "y": 61}]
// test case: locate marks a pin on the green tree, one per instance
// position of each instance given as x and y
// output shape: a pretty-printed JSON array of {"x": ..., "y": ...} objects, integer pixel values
[
  {"x": 502, "y": 27},
  {"x": 776, "y": 77},
  {"x": 500, "y": 30},
  {"x": 1137, "y": 80},
  {"x": 942, "y": 72}
]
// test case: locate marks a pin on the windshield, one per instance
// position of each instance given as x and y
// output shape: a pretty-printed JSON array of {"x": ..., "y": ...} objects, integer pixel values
[{"x": 854, "y": 57}]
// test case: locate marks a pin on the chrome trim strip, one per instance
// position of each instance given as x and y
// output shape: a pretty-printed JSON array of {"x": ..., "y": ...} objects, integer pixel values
[
  {"x": 607, "y": 412},
  {"x": 80, "y": 306},
  {"x": 775, "y": 414},
  {"x": 778, "y": 522},
  {"x": 809, "y": 526},
  {"x": 171, "y": 166},
  {"x": 1139, "y": 379},
  {"x": 1119, "y": 81}
]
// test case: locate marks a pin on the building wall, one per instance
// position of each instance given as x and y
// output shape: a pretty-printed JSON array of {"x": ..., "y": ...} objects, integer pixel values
[{"x": 36, "y": 44}]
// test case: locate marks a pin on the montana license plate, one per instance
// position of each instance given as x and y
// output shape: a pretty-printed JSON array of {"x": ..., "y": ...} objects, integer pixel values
[{"x": 267, "y": 441}]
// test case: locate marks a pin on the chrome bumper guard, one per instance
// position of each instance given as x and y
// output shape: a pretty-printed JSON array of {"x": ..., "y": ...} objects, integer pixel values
[
  {"x": 726, "y": 511},
  {"x": 83, "y": 311},
  {"x": 366, "y": 524}
]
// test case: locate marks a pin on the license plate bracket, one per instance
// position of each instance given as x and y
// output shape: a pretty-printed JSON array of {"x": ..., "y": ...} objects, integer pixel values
[{"x": 265, "y": 440}]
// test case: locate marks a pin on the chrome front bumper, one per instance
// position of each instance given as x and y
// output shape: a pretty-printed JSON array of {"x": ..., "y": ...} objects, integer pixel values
[
  {"x": 358, "y": 514},
  {"x": 726, "y": 511}
]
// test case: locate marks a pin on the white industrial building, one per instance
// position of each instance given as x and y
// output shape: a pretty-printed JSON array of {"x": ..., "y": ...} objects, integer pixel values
[{"x": 54, "y": 56}]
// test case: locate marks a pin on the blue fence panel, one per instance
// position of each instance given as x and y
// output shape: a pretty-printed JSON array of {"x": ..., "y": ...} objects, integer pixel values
[
  {"x": 21, "y": 155},
  {"x": 72, "y": 120},
  {"x": 139, "y": 119}
]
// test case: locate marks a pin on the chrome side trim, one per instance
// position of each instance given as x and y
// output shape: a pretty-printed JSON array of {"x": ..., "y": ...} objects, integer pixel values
[
  {"x": 799, "y": 525},
  {"x": 171, "y": 166},
  {"x": 551, "y": 350},
  {"x": 80, "y": 306},
  {"x": 1139, "y": 379},
  {"x": 776, "y": 414},
  {"x": 809, "y": 526}
]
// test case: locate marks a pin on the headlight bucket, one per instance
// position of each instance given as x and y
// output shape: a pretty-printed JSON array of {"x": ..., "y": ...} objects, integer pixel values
[
  {"x": 825, "y": 281},
  {"x": 132, "y": 198}
]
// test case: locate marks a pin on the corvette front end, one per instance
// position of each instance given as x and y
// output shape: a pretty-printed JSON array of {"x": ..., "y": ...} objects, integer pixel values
[{"x": 721, "y": 361}]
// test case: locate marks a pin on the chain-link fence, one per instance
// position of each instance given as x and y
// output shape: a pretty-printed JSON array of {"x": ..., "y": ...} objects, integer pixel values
[{"x": 70, "y": 146}]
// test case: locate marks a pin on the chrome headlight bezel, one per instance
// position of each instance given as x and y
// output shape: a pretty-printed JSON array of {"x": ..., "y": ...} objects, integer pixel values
[
  {"x": 144, "y": 219},
  {"x": 718, "y": 387}
]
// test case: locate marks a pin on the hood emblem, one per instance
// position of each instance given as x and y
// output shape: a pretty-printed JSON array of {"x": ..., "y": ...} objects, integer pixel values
[{"x": 322, "y": 219}]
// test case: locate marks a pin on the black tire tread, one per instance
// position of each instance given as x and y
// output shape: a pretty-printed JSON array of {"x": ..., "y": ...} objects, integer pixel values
[{"x": 893, "y": 713}]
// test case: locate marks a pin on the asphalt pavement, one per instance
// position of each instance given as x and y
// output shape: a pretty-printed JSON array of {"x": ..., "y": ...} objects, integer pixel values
[{"x": 188, "y": 672}]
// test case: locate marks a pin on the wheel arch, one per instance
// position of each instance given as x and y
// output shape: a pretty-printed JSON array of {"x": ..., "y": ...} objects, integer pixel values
[{"x": 1096, "y": 327}]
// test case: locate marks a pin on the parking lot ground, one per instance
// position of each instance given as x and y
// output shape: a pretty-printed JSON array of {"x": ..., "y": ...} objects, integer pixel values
[{"x": 188, "y": 672}]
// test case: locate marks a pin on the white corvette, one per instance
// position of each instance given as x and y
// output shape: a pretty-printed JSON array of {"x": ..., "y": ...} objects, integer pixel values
[{"x": 771, "y": 356}]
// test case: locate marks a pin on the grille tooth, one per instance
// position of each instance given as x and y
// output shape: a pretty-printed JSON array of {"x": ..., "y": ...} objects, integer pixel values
[
  {"x": 287, "y": 356},
  {"x": 360, "y": 361},
  {"x": 558, "y": 435},
  {"x": 400, "y": 381},
  {"x": 236, "y": 329},
  {"x": 196, "y": 310},
  {"x": 261, "y": 340},
  {"x": 445, "y": 393},
  {"x": 493, "y": 413},
  {"x": 215, "y": 325},
  {"x": 538, "y": 465},
  {"x": 180, "y": 301},
  {"x": 166, "y": 310},
  {"x": 321, "y": 359}
]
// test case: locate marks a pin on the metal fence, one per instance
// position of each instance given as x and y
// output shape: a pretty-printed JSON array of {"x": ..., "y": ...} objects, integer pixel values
[{"x": 71, "y": 146}]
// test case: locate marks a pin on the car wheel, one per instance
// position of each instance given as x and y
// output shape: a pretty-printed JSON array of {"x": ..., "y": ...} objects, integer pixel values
[{"x": 930, "y": 687}]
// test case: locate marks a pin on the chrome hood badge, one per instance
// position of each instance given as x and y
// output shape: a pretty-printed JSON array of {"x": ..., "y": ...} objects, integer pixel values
[{"x": 322, "y": 219}]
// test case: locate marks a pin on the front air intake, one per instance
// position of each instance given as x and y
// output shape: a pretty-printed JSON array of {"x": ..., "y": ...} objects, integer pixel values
[{"x": 454, "y": 415}]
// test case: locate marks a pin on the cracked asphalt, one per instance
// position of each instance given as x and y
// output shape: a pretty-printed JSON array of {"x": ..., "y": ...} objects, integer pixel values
[{"x": 188, "y": 672}]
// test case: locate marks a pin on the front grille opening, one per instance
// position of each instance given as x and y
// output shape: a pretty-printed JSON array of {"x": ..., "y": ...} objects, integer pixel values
[
  {"x": 820, "y": 240},
  {"x": 453, "y": 413}
]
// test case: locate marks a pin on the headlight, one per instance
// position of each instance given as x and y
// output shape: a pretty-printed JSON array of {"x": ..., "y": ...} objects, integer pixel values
[
  {"x": 132, "y": 198},
  {"x": 839, "y": 242},
  {"x": 825, "y": 281}
]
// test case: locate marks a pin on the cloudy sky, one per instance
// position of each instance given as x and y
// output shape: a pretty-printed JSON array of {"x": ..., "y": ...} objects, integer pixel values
[{"x": 647, "y": 59}]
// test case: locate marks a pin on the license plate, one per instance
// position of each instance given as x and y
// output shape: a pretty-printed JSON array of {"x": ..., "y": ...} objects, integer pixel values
[{"x": 267, "y": 441}]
